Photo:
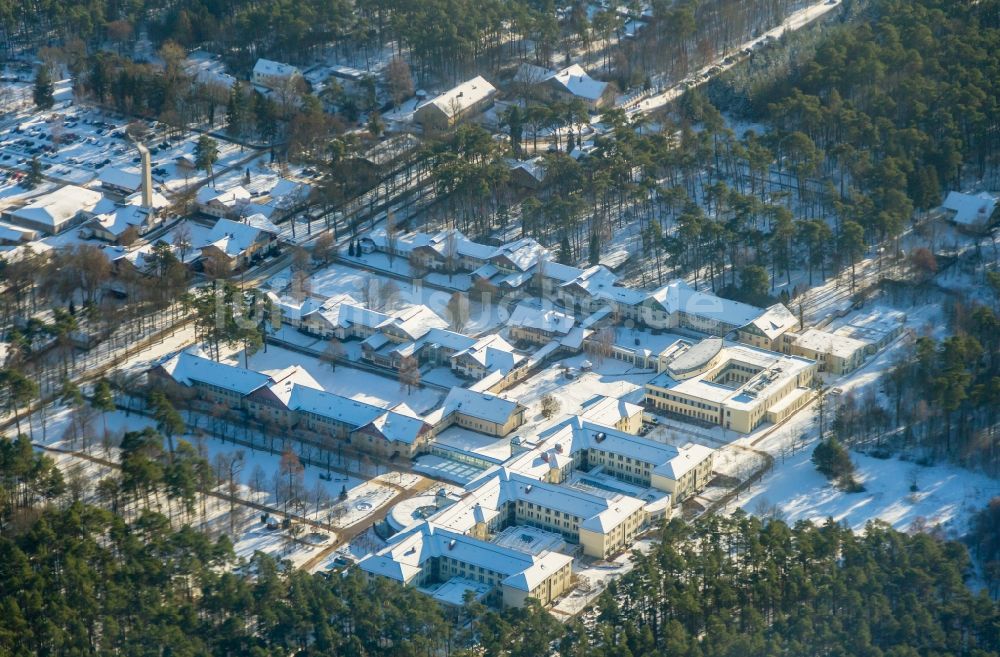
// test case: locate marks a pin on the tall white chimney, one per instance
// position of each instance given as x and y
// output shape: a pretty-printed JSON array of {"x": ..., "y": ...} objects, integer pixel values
[{"x": 147, "y": 177}]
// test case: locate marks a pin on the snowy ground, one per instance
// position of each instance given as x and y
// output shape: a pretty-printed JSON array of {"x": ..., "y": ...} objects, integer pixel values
[
  {"x": 945, "y": 495},
  {"x": 256, "y": 483}
]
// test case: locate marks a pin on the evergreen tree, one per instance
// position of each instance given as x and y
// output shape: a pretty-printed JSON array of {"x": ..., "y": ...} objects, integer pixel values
[
  {"x": 237, "y": 111},
  {"x": 206, "y": 154},
  {"x": 34, "y": 177},
  {"x": 594, "y": 256},
  {"x": 565, "y": 251},
  {"x": 44, "y": 90}
]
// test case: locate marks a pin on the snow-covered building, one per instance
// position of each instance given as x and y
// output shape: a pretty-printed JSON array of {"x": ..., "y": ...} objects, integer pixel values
[
  {"x": 238, "y": 243},
  {"x": 529, "y": 173},
  {"x": 468, "y": 99},
  {"x": 972, "y": 211},
  {"x": 433, "y": 559},
  {"x": 837, "y": 354},
  {"x": 567, "y": 84},
  {"x": 532, "y": 324},
  {"x": 449, "y": 250},
  {"x": 56, "y": 211},
  {"x": 221, "y": 203},
  {"x": 119, "y": 181},
  {"x": 767, "y": 330},
  {"x": 574, "y": 83},
  {"x": 272, "y": 75},
  {"x": 613, "y": 412},
  {"x": 731, "y": 385},
  {"x": 111, "y": 225},
  {"x": 292, "y": 401},
  {"x": 488, "y": 354},
  {"x": 480, "y": 411}
]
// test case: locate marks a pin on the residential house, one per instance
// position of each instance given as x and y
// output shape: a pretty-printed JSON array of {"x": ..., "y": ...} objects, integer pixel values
[{"x": 455, "y": 105}]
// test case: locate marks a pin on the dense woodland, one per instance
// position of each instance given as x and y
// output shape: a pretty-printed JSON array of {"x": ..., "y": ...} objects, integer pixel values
[
  {"x": 941, "y": 398},
  {"x": 865, "y": 132},
  {"x": 445, "y": 38}
]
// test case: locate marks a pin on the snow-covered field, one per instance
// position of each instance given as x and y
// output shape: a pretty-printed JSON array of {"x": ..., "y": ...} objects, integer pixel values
[{"x": 944, "y": 495}]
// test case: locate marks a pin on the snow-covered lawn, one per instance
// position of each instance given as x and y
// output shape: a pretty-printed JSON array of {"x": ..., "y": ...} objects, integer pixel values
[{"x": 945, "y": 495}]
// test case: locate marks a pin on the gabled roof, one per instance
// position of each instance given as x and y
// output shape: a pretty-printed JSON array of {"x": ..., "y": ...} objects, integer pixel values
[
  {"x": 345, "y": 314},
  {"x": 491, "y": 352},
  {"x": 233, "y": 237},
  {"x": 187, "y": 368},
  {"x": 678, "y": 296},
  {"x": 458, "y": 99},
  {"x": 334, "y": 407},
  {"x": 118, "y": 178},
  {"x": 774, "y": 321},
  {"x": 481, "y": 405},
  {"x": 522, "y": 254},
  {"x": 527, "y": 315},
  {"x": 574, "y": 80},
  {"x": 970, "y": 209},
  {"x": 273, "y": 68},
  {"x": 55, "y": 208},
  {"x": 398, "y": 427},
  {"x": 415, "y": 321},
  {"x": 227, "y": 197}
]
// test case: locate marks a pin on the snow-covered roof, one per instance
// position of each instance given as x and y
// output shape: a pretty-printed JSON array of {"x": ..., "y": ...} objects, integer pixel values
[
  {"x": 819, "y": 341},
  {"x": 187, "y": 368},
  {"x": 271, "y": 68},
  {"x": 481, "y": 405},
  {"x": 534, "y": 167},
  {"x": 398, "y": 427},
  {"x": 227, "y": 197},
  {"x": 608, "y": 410},
  {"x": 775, "y": 320},
  {"x": 415, "y": 321},
  {"x": 527, "y": 315},
  {"x": 559, "y": 272},
  {"x": 688, "y": 458},
  {"x": 333, "y": 407},
  {"x": 345, "y": 315},
  {"x": 294, "y": 309},
  {"x": 453, "y": 238},
  {"x": 491, "y": 352},
  {"x": 54, "y": 209},
  {"x": 679, "y": 296},
  {"x": 970, "y": 209},
  {"x": 409, "y": 551},
  {"x": 113, "y": 176},
  {"x": 122, "y": 218},
  {"x": 522, "y": 254},
  {"x": 458, "y": 99},
  {"x": 232, "y": 237},
  {"x": 574, "y": 80}
]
